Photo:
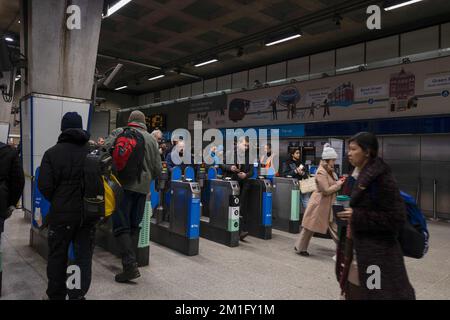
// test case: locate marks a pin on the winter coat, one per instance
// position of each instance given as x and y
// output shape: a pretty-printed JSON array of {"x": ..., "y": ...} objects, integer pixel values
[
  {"x": 317, "y": 214},
  {"x": 379, "y": 214},
  {"x": 11, "y": 172},
  {"x": 61, "y": 177},
  {"x": 246, "y": 167},
  {"x": 288, "y": 169},
  {"x": 152, "y": 159}
]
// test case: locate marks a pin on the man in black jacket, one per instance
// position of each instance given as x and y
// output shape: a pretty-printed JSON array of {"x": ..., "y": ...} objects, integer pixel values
[
  {"x": 60, "y": 182},
  {"x": 11, "y": 181},
  {"x": 240, "y": 170}
]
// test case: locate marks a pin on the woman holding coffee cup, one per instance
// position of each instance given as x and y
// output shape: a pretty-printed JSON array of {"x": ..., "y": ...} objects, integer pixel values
[
  {"x": 375, "y": 218},
  {"x": 317, "y": 215}
]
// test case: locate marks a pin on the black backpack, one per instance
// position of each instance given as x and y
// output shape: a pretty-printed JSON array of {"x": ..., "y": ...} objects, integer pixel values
[
  {"x": 128, "y": 155},
  {"x": 4, "y": 192},
  {"x": 102, "y": 192}
]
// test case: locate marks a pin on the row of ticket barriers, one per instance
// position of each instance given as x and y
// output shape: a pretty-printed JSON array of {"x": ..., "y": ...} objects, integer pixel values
[{"x": 200, "y": 203}]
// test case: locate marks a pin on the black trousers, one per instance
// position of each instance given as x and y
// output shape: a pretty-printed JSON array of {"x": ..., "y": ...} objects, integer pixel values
[{"x": 59, "y": 239}]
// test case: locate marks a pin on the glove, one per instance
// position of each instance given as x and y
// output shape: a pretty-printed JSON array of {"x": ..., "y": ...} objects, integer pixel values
[{"x": 9, "y": 211}]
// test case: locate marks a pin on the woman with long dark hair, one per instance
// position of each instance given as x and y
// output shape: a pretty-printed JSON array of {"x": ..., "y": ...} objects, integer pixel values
[{"x": 370, "y": 262}]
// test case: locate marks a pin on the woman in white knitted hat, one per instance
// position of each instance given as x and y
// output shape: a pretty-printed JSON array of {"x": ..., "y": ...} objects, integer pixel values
[{"x": 317, "y": 214}]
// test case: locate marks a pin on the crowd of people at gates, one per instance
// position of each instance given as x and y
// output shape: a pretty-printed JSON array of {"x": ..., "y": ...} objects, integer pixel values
[{"x": 373, "y": 219}]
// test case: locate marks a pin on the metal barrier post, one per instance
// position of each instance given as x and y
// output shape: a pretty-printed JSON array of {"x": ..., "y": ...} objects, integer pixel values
[{"x": 435, "y": 215}]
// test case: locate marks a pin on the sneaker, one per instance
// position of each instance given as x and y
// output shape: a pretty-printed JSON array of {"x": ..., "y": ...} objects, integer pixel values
[
  {"x": 304, "y": 253},
  {"x": 129, "y": 273},
  {"x": 243, "y": 234}
]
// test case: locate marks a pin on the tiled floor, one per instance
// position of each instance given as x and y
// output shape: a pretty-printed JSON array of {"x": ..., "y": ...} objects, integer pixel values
[{"x": 257, "y": 269}]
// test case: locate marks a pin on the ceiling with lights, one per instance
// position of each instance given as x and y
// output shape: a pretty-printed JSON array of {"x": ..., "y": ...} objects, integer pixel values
[{"x": 171, "y": 41}]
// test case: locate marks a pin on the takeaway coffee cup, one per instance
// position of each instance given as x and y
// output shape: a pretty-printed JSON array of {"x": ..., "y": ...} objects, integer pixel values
[{"x": 339, "y": 205}]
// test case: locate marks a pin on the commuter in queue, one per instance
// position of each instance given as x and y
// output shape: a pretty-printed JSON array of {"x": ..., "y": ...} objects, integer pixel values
[
  {"x": 240, "y": 170},
  {"x": 376, "y": 215},
  {"x": 178, "y": 148},
  {"x": 317, "y": 214},
  {"x": 267, "y": 158},
  {"x": 11, "y": 182},
  {"x": 61, "y": 183},
  {"x": 294, "y": 168},
  {"x": 127, "y": 218}
]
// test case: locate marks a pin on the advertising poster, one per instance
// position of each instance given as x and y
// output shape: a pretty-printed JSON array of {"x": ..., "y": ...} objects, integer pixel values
[{"x": 415, "y": 89}]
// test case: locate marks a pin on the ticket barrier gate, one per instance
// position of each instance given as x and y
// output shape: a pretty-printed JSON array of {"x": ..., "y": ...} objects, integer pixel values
[
  {"x": 176, "y": 221},
  {"x": 256, "y": 197},
  {"x": 220, "y": 215},
  {"x": 286, "y": 204}
]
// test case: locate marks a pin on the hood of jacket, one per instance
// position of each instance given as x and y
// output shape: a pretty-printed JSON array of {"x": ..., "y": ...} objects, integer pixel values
[{"x": 74, "y": 136}]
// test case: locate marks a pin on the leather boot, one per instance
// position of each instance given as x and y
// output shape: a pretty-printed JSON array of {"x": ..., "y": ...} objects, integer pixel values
[{"x": 127, "y": 252}]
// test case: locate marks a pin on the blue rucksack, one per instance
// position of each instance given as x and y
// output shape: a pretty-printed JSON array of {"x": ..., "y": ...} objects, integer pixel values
[{"x": 414, "y": 237}]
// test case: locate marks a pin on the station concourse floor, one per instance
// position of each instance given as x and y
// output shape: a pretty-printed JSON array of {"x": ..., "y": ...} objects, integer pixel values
[{"x": 257, "y": 269}]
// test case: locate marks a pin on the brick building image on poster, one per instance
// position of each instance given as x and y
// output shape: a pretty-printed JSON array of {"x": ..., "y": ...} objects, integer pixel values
[
  {"x": 402, "y": 88},
  {"x": 343, "y": 95}
]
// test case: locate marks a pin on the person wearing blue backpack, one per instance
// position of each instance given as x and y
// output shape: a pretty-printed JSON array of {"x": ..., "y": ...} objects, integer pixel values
[{"x": 370, "y": 263}]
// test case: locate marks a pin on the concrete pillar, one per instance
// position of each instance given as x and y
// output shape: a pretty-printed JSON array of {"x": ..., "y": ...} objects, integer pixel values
[
  {"x": 62, "y": 61},
  {"x": 59, "y": 75}
]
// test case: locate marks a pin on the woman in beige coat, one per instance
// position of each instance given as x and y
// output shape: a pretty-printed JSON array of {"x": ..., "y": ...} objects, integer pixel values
[{"x": 317, "y": 214}]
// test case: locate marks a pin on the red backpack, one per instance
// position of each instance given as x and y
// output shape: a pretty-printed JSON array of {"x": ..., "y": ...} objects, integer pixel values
[{"x": 128, "y": 155}]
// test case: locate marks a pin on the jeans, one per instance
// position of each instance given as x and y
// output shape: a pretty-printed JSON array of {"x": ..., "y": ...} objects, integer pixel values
[
  {"x": 129, "y": 215},
  {"x": 305, "y": 198},
  {"x": 59, "y": 239},
  {"x": 126, "y": 221}
]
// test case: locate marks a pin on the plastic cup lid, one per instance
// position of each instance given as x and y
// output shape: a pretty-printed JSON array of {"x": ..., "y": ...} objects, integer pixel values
[{"x": 343, "y": 198}]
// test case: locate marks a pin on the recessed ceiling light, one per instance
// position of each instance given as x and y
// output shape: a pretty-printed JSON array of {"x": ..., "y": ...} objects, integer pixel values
[
  {"x": 9, "y": 39},
  {"x": 401, "y": 4},
  {"x": 157, "y": 77},
  {"x": 295, "y": 36},
  {"x": 206, "y": 62},
  {"x": 116, "y": 7}
]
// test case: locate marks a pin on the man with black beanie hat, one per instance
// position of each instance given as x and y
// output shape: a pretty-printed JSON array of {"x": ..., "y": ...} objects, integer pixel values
[{"x": 60, "y": 182}]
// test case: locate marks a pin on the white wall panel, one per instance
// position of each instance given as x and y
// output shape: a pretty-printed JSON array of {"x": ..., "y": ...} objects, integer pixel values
[
  {"x": 445, "y": 35},
  {"x": 197, "y": 88},
  {"x": 224, "y": 83},
  {"x": 211, "y": 85},
  {"x": 165, "y": 95},
  {"x": 382, "y": 49},
  {"x": 350, "y": 56},
  {"x": 240, "y": 80},
  {"x": 174, "y": 93},
  {"x": 276, "y": 71},
  {"x": 298, "y": 67},
  {"x": 322, "y": 62},
  {"x": 419, "y": 41},
  {"x": 185, "y": 91},
  {"x": 257, "y": 74}
]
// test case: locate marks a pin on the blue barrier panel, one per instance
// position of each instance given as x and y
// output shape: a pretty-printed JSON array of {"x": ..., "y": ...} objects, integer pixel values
[
  {"x": 176, "y": 174},
  {"x": 154, "y": 196},
  {"x": 189, "y": 173},
  {"x": 267, "y": 209},
  {"x": 212, "y": 173},
  {"x": 193, "y": 227}
]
